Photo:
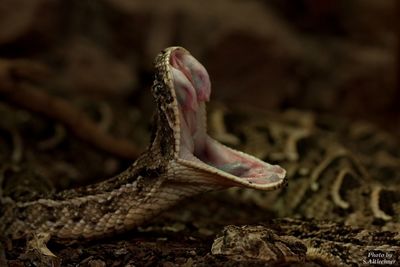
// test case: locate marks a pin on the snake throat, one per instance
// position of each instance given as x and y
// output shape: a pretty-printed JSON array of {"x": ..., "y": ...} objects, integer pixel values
[{"x": 192, "y": 86}]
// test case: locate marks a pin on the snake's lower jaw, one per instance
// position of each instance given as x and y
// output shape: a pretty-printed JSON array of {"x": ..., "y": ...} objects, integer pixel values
[{"x": 229, "y": 167}]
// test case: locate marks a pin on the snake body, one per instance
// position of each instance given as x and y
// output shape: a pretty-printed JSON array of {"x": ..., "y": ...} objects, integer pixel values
[{"x": 181, "y": 161}]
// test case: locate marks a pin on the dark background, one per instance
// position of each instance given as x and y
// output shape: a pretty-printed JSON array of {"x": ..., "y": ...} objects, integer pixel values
[{"x": 333, "y": 56}]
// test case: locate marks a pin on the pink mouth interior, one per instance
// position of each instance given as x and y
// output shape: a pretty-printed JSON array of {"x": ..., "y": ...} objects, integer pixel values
[{"x": 193, "y": 88}]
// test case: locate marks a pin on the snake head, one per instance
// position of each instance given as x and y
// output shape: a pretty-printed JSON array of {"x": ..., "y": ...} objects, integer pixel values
[{"x": 186, "y": 88}]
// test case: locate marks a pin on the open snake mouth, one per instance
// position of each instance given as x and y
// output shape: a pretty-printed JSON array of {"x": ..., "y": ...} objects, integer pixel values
[{"x": 192, "y": 86}]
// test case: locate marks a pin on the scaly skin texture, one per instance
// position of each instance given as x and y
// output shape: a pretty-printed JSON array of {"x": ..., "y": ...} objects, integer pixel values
[
  {"x": 181, "y": 161},
  {"x": 319, "y": 242}
]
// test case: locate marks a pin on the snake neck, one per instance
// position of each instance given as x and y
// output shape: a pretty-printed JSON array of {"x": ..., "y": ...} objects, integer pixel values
[{"x": 92, "y": 212}]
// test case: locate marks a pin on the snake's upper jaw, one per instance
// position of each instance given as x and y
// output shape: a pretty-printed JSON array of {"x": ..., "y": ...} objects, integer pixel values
[{"x": 198, "y": 150}]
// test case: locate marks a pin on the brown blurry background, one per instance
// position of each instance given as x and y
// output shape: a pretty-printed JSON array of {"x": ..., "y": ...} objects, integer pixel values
[{"x": 334, "y": 56}]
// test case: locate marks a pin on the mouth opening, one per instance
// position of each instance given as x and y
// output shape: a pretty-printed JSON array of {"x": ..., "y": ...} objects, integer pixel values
[
  {"x": 193, "y": 88},
  {"x": 238, "y": 164}
]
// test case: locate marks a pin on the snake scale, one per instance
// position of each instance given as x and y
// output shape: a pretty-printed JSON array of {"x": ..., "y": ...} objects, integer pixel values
[{"x": 327, "y": 180}]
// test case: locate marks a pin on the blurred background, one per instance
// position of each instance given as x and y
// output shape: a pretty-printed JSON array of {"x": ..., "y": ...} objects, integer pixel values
[{"x": 330, "y": 56}]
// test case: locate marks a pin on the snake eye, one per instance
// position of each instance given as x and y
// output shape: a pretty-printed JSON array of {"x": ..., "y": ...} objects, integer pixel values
[
  {"x": 159, "y": 91},
  {"x": 157, "y": 88}
]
